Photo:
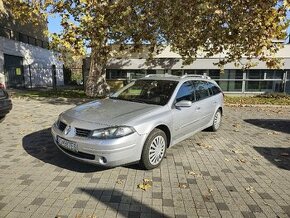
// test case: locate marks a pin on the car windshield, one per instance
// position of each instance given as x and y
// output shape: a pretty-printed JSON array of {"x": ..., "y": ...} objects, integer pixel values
[{"x": 148, "y": 91}]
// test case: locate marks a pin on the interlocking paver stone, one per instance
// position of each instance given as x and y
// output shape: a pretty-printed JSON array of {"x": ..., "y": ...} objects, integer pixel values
[{"x": 242, "y": 171}]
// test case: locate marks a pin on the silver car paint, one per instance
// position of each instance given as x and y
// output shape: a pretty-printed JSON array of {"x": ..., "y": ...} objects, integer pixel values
[{"x": 142, "y": 117}]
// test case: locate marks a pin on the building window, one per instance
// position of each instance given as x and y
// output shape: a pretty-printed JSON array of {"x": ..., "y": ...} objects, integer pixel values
[
  {"x": 230, "y": 86},
  {"x": 214, "y": 74},
  {"x": 255, "y": 74},
  {"x": 176, "y": 72},
  {"x": 274, "y": 74}
]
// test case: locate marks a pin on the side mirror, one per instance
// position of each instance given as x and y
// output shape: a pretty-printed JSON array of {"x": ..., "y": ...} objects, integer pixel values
[{"x": 183, "y": 103}]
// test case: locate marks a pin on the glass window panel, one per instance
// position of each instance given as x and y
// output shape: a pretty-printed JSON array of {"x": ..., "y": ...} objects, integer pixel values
[
  {"x": 264, "y": 86},
  {"x": 274, "y": 74},
  {"x": 185, "y": 92},
  {"x": 176, "y": 72},
  {"x": 200, "y": 72},
  {"x": 201, "y": 90},
  {"x": 230, "y": 86},
  {"x": 214, "y": 74},
  {"x": 189, "y": 71},
  {"x": 255, "y": 74}
]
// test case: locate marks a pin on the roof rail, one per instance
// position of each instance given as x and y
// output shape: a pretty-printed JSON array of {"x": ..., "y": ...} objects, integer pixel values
[
  {"x": 195, "y": 75},
  {"x": 160, "y": 75}
]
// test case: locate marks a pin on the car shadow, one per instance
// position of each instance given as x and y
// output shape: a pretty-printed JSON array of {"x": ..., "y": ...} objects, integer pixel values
[
  {"x": 113, "y": 197},
  {"x": 279, "y": 157},
  {"x": 40, "y": 145},
  {"x": 280, "y": 125}
]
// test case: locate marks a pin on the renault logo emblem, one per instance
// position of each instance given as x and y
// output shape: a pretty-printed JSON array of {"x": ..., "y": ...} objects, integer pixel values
[{"x": 67, "y": 130}]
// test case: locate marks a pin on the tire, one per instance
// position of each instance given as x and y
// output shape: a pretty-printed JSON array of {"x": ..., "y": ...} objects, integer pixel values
[
  {"x": 152, "y": 158},
  {"x": 217, "y": 119}
]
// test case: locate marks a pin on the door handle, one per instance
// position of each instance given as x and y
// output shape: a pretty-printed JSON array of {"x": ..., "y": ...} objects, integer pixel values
[
  {"x": 215, "y": 102},
  {"x": 197, "y": 108}
]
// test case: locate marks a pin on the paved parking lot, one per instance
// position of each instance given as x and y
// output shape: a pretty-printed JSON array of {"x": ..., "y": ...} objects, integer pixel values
[{"x": 243, "y": 170}]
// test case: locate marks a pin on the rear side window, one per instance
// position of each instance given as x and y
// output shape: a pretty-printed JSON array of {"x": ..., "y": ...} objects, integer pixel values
[
  {"x": 213, "y": 88},
  {"x": 201, "y": 90}
]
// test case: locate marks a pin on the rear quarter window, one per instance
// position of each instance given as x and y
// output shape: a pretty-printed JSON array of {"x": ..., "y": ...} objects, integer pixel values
[{"x": 214, "y": 89}]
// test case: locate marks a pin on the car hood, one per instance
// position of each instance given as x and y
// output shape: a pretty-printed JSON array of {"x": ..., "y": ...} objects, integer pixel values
[{"x": 109, "y": 112}]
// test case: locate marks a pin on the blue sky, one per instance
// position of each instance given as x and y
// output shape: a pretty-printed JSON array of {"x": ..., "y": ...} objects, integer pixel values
[{"x": 55, "y": 27}]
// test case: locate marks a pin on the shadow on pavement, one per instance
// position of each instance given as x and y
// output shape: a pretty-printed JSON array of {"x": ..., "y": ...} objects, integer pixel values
[
  {"x": 280, "y": 157},
  {"x": 279, "y": 125},
  {"x": 112, "y": 198},
  {"x": 41, "y": 146}
]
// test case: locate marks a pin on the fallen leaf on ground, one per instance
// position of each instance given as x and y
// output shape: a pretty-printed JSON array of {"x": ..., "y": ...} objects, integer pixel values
[
  {"x": 250, "y": 189},
  {"x": 241, "y": 160},
  {"x": 119, "y": 181},
  {"x": 236, "y": 125},
  {"x": 277, "y": 160},
  {"x": 183, "y": 185},
  {"x": 191, "y": 173},
  {"x": 203, "y": 145},
  {"x": 267, "y": 204},
  {"x": 236, "y": 130},
  {"x": 236, "y": 151},
  {"x": 146, "y": 184},
  {"x": 226, "y": 159},
  {"x": 210, "y": 190}
]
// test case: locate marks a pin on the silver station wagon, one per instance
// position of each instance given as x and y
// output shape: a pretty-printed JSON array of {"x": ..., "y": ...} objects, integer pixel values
[{"x": 139, "y": 122}]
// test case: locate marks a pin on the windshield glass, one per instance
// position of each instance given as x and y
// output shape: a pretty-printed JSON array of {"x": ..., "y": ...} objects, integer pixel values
[{"x": 148, "y": 91}]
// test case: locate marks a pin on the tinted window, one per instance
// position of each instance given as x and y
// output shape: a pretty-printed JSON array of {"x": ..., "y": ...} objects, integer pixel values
[
  {"x": 201, "y": 90},
  {"x": 213, "y": 89},
  {"x": 185, "y": 92}
]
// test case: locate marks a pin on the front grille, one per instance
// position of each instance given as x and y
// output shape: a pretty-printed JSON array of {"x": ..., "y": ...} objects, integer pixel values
[
  {"x": 82, "y": 132},
  {"x": 79, "y": 154},
  {"x": 61, "y": 125}
]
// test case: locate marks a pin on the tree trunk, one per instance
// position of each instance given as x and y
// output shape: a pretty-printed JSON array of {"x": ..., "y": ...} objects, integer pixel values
[{"x": 96, "y": 85}]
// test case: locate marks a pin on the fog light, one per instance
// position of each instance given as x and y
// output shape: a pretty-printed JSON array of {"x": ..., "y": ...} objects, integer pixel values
[{"x": 102, "y": 160}]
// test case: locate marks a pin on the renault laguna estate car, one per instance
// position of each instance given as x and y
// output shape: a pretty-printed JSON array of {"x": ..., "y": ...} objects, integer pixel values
[{"x": 139, "y": 122}]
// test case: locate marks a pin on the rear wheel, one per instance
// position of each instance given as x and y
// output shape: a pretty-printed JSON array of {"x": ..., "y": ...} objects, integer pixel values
[
  {"x": 154, "y": 149},
  {"x": 216, "y": 121}
]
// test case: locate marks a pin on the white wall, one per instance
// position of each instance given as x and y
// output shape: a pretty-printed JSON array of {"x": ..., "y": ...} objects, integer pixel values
[{"x": 39, "y": 59}]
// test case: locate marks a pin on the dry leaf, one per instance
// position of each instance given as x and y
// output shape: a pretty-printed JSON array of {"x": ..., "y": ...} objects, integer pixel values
[
  {"x": 147, "y": 183},
  {"x": 236, "y": 151},
  {"x": 119, "y": 181},
  {"x": 250, "y": 189},
  {"x": 203, "y": 145},
  {"x": 226, "y": 159},
  {"x": 210, "y": 190},
  {"x": 183, "y": 185},
  {"x": 236, "y": 125},
  {"x": 267, "y": 204},
  {"x": 236, "y": 130},
  {"x": 191, "y": 173},
  {"x": 241, "y": 160}
]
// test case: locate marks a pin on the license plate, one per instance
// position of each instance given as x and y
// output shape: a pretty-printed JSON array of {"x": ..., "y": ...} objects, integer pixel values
[{"x": 67, "y": 144}]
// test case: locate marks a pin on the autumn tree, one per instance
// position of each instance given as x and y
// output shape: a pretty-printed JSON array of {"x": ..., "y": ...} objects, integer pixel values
[{"x": 236, "y": 27}]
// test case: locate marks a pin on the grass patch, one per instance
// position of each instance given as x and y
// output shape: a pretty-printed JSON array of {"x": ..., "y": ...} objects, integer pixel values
[
  {"x": 270, "y": 99},
  {"x": 63, "y": 93}
]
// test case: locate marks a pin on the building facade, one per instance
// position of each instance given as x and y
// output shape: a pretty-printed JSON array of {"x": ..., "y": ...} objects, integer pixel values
[
  {"x": 25, "y": 60},
  {"x": 233, "y": 80}
]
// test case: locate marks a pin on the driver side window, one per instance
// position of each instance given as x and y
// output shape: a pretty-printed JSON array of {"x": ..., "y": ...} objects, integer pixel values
[{"x": 186, "y": 92}]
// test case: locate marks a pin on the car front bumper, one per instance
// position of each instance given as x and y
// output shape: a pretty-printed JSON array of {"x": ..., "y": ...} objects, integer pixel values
[{"x": 108, "y": 152}]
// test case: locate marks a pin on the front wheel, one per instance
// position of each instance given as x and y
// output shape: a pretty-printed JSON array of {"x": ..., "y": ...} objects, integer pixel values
[
  {"x": 216, "y": 121},
  {"x": 154, "y": 149}
]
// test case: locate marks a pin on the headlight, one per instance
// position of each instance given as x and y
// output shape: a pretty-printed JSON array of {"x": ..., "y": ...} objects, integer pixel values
[{"x": 112, "y": 132}]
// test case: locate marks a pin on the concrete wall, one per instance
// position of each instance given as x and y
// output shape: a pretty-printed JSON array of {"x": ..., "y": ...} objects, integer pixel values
[{"x": 39, "y": 59}]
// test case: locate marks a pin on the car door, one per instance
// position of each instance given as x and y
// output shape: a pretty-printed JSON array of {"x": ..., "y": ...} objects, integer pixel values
[
  {"x": 204, "y": 103},
  {"x": 185, "y": 119}
]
